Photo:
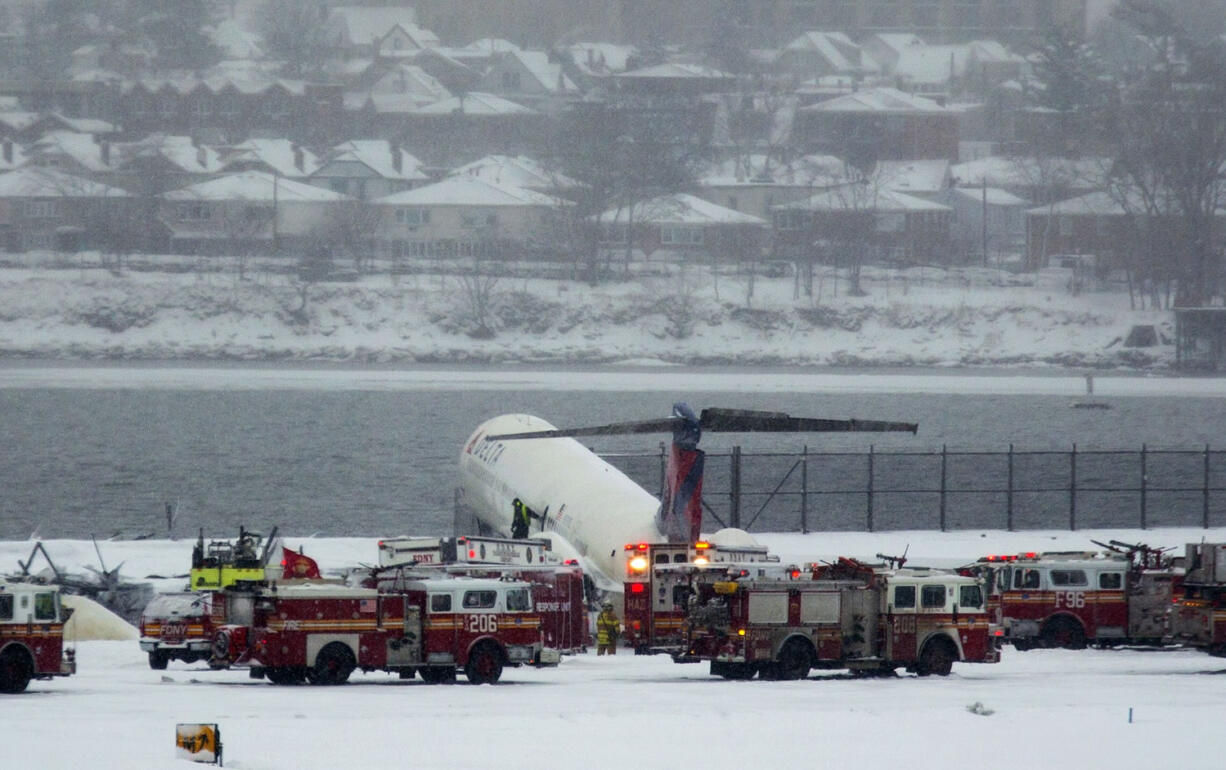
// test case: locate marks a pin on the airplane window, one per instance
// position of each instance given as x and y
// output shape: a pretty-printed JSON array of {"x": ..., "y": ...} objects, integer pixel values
[
  {"x": 904, "y": 597},
  {"x": 440, "y": 603},
  {"x": 932, "y": 596},
  {"x": 1110, "y": 580}
]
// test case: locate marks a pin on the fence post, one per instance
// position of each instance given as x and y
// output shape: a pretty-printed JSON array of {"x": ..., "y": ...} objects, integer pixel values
[
  {"x": 1144, "y": 481},
  {"x": 870, "y": 488},
  {"x": 944, "y": 461},
  {"x": 804, "y": 491},
  {"x": 734, "y": 515},
  {"x": 1205, "y": 514},
  {"x": 1072, "y": 489},
  {"x": 1009, "y": 494}
]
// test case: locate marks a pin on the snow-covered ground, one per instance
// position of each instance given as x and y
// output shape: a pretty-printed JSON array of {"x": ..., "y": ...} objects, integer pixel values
[
  {"x": 916, "y": 317},
  {"x": 1050, "y": 708}
]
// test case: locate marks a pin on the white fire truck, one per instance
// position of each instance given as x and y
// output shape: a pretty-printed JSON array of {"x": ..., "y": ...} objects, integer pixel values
[
  {"x": 660, "y": 579},
  {"x": 850, "y": 615},
  {"x": 177, "y": 626},
  {"x": 322, "y": 632},
  {"x": 32, "y": 635},
  {"x": 1200, "y": 611},
  {"x": 1071, "y": 598}
]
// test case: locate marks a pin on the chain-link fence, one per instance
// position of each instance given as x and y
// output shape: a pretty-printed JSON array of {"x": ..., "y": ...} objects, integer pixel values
[{"x": 947, "y": 489}]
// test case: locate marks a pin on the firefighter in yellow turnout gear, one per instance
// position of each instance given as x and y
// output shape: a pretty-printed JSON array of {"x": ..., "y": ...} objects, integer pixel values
[{"x": 608, "y": 628}]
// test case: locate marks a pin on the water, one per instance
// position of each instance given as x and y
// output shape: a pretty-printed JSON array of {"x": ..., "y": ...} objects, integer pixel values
[{"x": 81, "y": 459}]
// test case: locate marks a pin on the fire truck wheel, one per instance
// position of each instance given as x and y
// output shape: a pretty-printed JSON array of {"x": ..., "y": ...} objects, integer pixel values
[
  {"x": 158, "y": 660},
  {"x": 937, "y": 658},
  {"x": 16, "y": 668},
  {"x": 484, "y": 665},
  {"x": 1064, "y": 633},
  {"x": 794, "y": 661},
  {"x": 438, "y": 674},
  {"x": 333, "y": 665}
]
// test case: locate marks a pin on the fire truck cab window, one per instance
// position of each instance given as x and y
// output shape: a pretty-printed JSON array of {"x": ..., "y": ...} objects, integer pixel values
[
  {"x": 517, "y": 600},
  {"x": 661, "y": 558},
  {"x": 1069, "y": 577},
  {"x": 480, "y": 600},
  {"x": 1110, "y": 580},
  {"x": 932, "y": 596},
  {"x": 1026, "y": 578},
  {"x": 904, "y": 597},
  {"x": 970, "y": 596},
  {"x": 6, "y": 606},
  {"x": 679, "y": 558},
  {"x": 44, "y": 606},
  {"x": 440, "y": 603}
]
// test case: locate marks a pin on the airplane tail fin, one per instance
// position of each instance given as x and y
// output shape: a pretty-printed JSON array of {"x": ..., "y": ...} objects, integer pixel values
[{"x": 681, "y": 507}]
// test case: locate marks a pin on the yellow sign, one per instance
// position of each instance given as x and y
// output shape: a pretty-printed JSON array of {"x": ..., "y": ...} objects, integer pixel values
[{"x": 198, "y": 742}]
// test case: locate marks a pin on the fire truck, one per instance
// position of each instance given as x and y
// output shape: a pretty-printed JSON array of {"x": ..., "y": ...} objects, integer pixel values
[
  {"x": 559, "y": 592},
  {"x": 869, "y": 619},
  {"x": 1070, "y": 598},
  {"x": 32, "y": 635},
  {"x": 177, "y": 626},
  {"x": 437, "y": 626},
  {"x": 661, "y": 577},
  {"x": 1200, "y": 611}
]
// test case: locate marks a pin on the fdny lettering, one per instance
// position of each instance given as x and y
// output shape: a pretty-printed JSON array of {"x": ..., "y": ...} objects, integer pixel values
[
  {"x": 1070, "y": 599},
  {"x": 422, "y": 558},
  {"x": 483, "y": 624}
]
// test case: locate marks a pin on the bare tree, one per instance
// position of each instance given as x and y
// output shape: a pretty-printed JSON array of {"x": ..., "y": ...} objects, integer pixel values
[
  {"x": 349, "y": 230},
  {"x": 294, "y": 32}
]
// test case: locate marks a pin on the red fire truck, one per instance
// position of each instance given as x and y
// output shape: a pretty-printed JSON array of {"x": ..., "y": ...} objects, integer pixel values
[
  {"x": 177, "y": 626},
  {"x": 559, "y": 592},
  {"x": 847, "y": 615},
  {"x": 1200, "y": 611},
  {"x": 32, "y": 635},
  {"x": 660, "y": 579},
  {"x": 322, "y": 632},
  {"x": 1068, "y": 598}
]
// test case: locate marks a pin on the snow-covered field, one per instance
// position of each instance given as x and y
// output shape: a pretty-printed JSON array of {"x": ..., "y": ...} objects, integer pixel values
[
  {"x": 1050, "y": 708},
  {"x": 915, "y": 317}
]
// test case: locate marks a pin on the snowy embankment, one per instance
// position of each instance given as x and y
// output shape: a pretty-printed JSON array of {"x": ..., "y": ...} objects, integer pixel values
[
  {"x": 918, "y": 317},
  {"x": 1122, "y": 708}
]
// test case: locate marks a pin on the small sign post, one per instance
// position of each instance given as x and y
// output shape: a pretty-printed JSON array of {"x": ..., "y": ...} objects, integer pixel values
[{"x": 199, "y": 742}]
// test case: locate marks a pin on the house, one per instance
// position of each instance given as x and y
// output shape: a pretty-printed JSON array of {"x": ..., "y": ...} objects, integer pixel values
[
  {"x": 404, "y": 40},
  {"x": 923, "y": 178},
  {"x": 1036, "y": 179},
  {"x": 71, "y": 152},
  {"x": 817, "y": 54},
  {"x": 160, "y": 162},
  {"x": 675, "y": 79},
  {"x": 274, "y": 156},
  {"x": 366, "y": 169},
  {"x": 475, "y": 123},
  {"x": 866, "y": 218},
  {"x": 249, "y": 212},
  {"x": 682, "y": 227},
  {"x": 45, "y": 208},
  {"x": 518, "y": 171},
  {"x": 467, "y": 216},
  {"x": 876, "y": 124},
  {"x": 985, "y": 221},
  {"x": 941, "y": 69},
  {"x": 756, "y": 183},
  {"x": 359, "y": 31},
  {"x": 529, "y": 78}
]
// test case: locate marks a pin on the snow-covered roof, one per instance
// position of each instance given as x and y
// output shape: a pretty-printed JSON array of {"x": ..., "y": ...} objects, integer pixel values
[
  {"x": 995, "y": 196},
  {"x": 675, "y": 70},
  {"x": 360, "y": 25},
  {"x": 254, "y": 186},
  {"x": 914, "y": 176},
  {"x": 879, "y": 100},
  {"x": 678, "y": 208},
  {"x": 469, "y": 191},
  {"x": 848, "y": 198},
  {"x": 548, "y": 74},
  {"x": 601, "y": 58},
  {"x": 759, "y": 169},
  {"x": 1097, "y": 203},
  {"x": 82, "y": 148},
  {"x": 378, "y": 155},
  {"x": 236, "y": 41},
  {"x": 280, "y": 155},
  {"x": 420, "y": 38},
  {"x": 85, "y": 125},
  {"x": 178, "y": 150},
  {"x": 517, "y": 171},
  {"x": 836, "y": 48},
  {"x": 17, "y": 120},
  {"x": 32, "y": 182},
  {"x": 1082, "y": 174},
  {"x": 409, "y": 79},
  {"x": 474, "y": 103},
  {"x": 250, "y": 80}
]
